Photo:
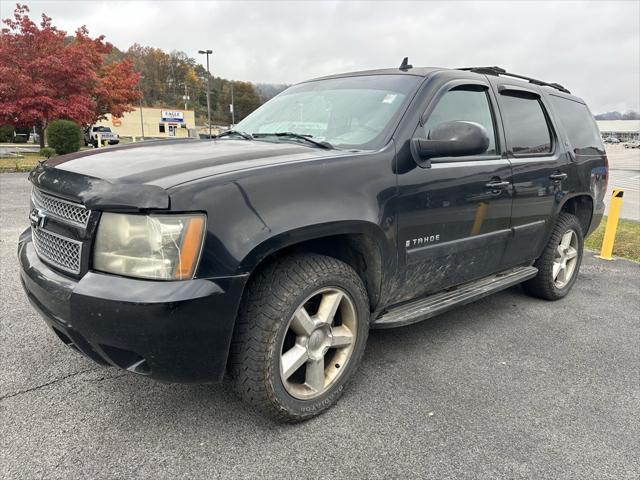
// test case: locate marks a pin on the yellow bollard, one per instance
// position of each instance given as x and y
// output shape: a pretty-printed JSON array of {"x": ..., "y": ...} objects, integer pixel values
[{"x": 612, "y": 225}]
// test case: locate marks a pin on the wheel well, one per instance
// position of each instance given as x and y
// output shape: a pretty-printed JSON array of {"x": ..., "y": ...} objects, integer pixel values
[
  {"x": 582, "y": 207},
  {"x": 358, "y": 251}
]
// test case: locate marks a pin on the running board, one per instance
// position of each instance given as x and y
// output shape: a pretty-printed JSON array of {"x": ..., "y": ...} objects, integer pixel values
[{"x": 438, "y": 303}]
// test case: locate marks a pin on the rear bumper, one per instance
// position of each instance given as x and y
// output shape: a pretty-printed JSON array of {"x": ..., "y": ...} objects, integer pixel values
[{"x": 171, "y": 331}]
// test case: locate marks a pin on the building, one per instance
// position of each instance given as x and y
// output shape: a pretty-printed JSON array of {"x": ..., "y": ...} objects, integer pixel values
[
  {"x": 157, "y": 123},
  {"x": 623, "y": 130}
]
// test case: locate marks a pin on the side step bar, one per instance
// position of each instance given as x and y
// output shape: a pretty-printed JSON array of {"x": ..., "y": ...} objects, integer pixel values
[{"x": 438, "y": 303}]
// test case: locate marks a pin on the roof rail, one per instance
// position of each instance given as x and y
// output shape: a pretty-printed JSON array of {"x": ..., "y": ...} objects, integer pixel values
[{"x": 497, "y": 71}]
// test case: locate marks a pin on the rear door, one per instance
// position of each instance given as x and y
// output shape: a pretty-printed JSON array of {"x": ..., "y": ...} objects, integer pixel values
[
  {"x": 539, "y": 164},
  {"x": 587, "y": 169},
  {"x": 454, "y": 217}
]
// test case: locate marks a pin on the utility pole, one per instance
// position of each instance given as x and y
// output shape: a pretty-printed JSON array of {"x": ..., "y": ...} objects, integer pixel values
[
  {"x": 141, "y": 119},
  {"x": 233, "y": 117},
  {"x": 186, "y": 96},
  {"x": 207, "y": 53}
]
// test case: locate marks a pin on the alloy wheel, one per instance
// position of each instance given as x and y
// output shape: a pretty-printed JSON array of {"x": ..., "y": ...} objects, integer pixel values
[
  {"x": 565, "y": 259},
  {"x": 318, "y": 343}
]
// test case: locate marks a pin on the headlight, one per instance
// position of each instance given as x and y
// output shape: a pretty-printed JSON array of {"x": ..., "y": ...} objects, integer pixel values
[{"x": 162, "y": 247}]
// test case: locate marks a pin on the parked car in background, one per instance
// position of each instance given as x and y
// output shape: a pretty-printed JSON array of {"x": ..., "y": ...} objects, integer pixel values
[
  {"x": 92, "y": 133},
  {"x": 632, "y": 144},
  {"x": 363, "y": 200},
  {"x": 611, "y": 140}
]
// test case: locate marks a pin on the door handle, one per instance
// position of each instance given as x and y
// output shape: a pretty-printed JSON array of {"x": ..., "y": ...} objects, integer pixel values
[
  {"x": 558, "y": 176},
  {"x": 498, "y": 185}
]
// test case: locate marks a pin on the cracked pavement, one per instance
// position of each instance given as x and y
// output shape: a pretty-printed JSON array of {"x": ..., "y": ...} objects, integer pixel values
[{"x": 507, "y": 387}]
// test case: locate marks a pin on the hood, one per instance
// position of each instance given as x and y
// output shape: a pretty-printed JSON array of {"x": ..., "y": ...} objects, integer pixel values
[{"x": 168, "y": 163}]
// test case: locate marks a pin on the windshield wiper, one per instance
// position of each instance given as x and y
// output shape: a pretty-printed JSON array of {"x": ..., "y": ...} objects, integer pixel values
[
  {"x": 228, "y": 133},
  {"x": 297, "y": 136}
]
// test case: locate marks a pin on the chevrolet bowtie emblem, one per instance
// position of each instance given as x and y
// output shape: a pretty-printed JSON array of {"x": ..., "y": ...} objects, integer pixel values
[{"x": 37, "y": 218}]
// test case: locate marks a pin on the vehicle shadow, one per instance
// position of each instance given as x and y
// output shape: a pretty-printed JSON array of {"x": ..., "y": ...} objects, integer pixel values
[{"x": 213, "y": 406}]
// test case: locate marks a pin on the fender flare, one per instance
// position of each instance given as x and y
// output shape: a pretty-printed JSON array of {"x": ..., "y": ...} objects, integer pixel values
[
  {"x": 295, "y": 236},
  {"x": 571, "y": 196}
]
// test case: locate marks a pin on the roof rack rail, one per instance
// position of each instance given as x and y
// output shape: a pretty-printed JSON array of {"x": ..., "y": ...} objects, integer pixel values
[{"x": 497, "y": 71}]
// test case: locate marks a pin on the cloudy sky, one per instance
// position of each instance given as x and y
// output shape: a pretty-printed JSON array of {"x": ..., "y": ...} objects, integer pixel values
[{"x": 593, "y": 48}]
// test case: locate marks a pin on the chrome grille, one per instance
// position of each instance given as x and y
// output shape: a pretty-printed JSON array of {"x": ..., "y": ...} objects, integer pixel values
[
  {"x": 61, "y": 252},
  {"x": 61, "y": 209}
]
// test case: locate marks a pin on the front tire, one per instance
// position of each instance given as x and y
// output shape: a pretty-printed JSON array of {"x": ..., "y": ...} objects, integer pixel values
[
  {"x": 559, "y": 264},
  {"x": 300, "y": 335}
]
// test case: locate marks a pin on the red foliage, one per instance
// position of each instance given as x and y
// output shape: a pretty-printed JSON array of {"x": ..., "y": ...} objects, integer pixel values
[
  {"x": 43, "y": 78},
  {"x": 117, "y": 89}
]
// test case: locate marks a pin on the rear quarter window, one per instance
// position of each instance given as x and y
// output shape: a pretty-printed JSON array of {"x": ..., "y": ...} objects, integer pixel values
[
  {"x": 525, "y": 124},
  {"x": 579, "y": 125}
]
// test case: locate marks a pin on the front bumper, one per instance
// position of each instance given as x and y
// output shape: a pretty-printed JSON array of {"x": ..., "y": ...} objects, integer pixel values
[{"x": 172, "y": 331}]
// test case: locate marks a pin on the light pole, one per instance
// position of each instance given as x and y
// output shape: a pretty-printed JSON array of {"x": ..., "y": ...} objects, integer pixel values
[
  {"x": 141, "y": 119},
  {"x": 207, "y": 53}
]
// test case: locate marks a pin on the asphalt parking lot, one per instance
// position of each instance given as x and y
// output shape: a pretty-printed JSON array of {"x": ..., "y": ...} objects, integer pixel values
[{"x": 509, "y": 387}]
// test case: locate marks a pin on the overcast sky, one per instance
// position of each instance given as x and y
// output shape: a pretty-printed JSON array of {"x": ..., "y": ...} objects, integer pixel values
[{"x": 593, "y": 48}]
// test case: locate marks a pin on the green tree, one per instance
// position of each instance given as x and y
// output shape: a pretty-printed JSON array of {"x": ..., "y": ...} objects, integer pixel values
[
  {"x": 245, "y": 101},
  {"x": 6, "y": 133}
]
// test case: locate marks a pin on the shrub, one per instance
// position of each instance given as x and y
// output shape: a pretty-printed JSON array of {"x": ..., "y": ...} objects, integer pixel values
[
  {"x": 6, "y": 133},
  {"x": 64, "y": 136},
  {"x": 47, "y": 152}
]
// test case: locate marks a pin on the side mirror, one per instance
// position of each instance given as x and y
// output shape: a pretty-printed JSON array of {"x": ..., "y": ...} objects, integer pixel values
[{"x": 450, "y": 139}]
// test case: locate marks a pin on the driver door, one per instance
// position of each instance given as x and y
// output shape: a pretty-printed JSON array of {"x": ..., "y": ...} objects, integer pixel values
[{"x": 454, "y": 216}]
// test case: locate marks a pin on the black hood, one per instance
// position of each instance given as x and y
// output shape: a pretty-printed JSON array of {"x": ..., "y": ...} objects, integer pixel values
[
  {"x": 168, "y": 163},
  {"x": 137, "y": 176}
]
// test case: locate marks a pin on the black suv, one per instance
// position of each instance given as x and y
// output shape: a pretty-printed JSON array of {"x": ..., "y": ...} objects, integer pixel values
[{"x": 364, "y": 200}]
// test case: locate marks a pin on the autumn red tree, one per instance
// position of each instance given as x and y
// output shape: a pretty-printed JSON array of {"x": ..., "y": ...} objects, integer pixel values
[{"x": 44, "y": 76}]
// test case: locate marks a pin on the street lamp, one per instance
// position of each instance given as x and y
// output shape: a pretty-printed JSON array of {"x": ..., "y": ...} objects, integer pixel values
[{"x": 207, "y": 53}]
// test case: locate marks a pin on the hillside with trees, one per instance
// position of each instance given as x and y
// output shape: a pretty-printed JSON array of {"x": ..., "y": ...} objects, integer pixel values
[
  {"x": 167, "y": 78},
  {"x": 630, "y": 115},
  {"x": 267, "y": 91}
]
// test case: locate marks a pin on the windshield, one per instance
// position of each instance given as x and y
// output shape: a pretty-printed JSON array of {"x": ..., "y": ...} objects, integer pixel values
[
  {"x": 350, "y": 112},
  {"x": 101, "y": 129}
]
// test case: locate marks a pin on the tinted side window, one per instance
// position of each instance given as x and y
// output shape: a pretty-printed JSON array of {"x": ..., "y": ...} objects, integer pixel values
[
  {"x": 469, "y": 105},
  {"x": 525, "y": 124},
  {"x": 579, "y": 125}
]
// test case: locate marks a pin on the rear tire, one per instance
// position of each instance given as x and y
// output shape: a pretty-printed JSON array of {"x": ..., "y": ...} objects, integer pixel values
[
  {"x": 559, "y": 264},
  {"x": 300, "y": 335}
]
